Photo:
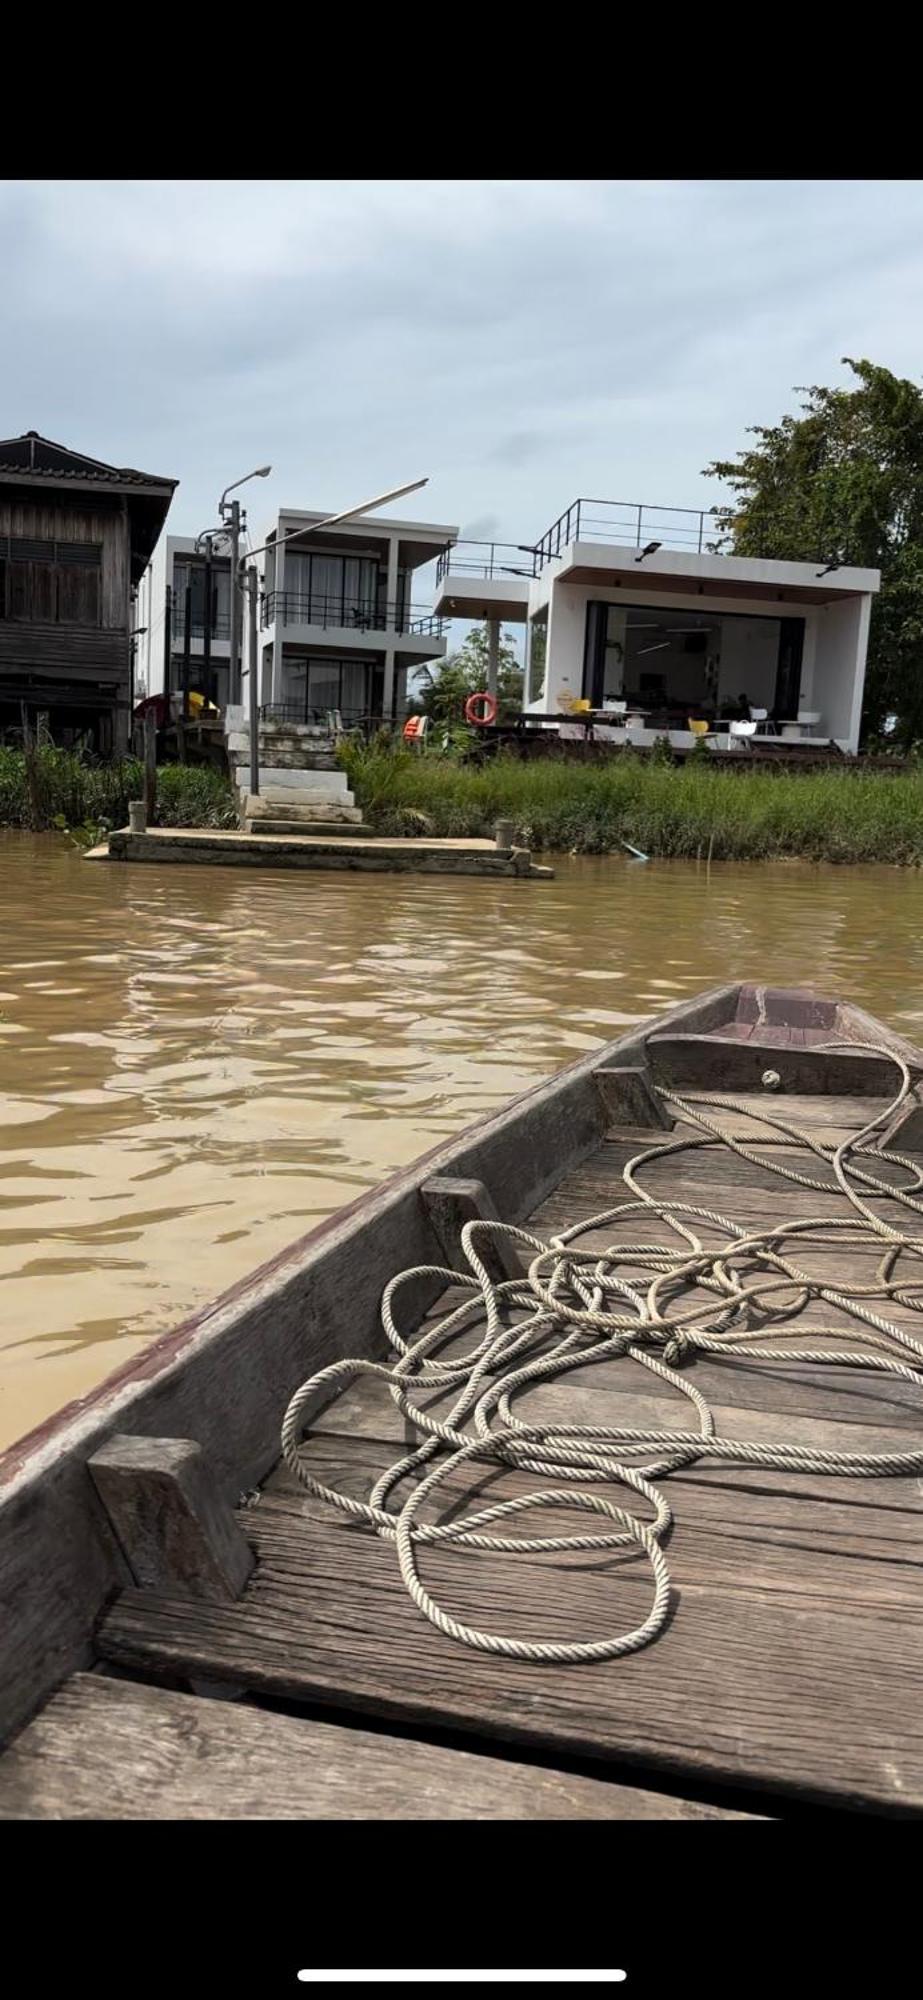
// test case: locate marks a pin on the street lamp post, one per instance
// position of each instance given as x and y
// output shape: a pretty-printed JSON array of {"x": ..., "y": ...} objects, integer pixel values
[
  {"x": 229, "y": 513},
  {"x": 249, "y": 576}
]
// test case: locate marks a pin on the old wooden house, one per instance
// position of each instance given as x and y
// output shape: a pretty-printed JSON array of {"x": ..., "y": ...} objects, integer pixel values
[{"x": 75, "y": 537}]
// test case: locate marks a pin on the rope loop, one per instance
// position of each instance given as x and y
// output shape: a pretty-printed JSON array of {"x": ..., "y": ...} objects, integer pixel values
[{"x": 707, "y": 1285}]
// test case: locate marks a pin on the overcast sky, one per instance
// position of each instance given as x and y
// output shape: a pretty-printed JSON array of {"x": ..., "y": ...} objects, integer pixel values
[{"x": 522, "y": 342}]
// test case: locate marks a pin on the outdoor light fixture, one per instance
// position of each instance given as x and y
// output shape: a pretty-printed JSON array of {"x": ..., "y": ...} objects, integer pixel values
[
  {"x": 651, "y": 550},
  {"x": 830, "y": 566},
  {"x": 262, "y": 472}
]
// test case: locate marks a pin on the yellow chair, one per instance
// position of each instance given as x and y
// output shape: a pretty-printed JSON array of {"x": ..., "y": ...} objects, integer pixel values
[{"x": 698, "y": 728}]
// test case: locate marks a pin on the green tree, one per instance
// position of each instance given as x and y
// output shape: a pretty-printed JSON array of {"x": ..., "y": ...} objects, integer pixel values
[
  {"x": 443, "y": 688},
  {"x": 843, "y": 483}
]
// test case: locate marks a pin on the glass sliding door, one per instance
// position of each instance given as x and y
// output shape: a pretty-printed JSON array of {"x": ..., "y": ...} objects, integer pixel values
[
  {"x": 674, "y": 664},
  {"x": 315, "y": 686},
  {"x": 331, "y": 590}
]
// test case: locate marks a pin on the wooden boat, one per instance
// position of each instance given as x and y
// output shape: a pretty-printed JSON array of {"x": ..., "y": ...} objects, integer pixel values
[{"x": 156, "y": 1554}]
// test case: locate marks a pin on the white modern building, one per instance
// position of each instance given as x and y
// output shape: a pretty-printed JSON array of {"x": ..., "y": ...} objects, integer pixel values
[
  {"x": 160, "y": 621},
  {"x": 340, "y": 625},
  {"x": 629, "y": 609}
]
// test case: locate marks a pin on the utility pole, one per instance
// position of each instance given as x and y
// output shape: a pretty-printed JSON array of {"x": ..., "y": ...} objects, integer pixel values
[
  {"x": 167, "y": 650},
  {"x": 253, "y": 584},
  {"x": 187, "y": 646},
  {"x": 207, "y": 633},
  {"x": 232, "y": 510},
  {"x": 229, "y": 515}
]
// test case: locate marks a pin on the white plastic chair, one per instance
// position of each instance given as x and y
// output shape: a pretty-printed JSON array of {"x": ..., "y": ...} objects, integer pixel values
[
  {"x": 763, "y": 721},
  {"x": 808, "y": 718},
  {"x": 741, "y": 733}
]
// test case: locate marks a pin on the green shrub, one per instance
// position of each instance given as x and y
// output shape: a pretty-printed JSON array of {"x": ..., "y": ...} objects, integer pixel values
[
  {"x": 69, "y": 792},
  {"x": 847, "y": 814}
]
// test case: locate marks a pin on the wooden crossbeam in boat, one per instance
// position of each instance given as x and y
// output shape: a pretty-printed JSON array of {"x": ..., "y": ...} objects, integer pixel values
[
  {"x": 450, "y": 1203},
  {"x": 905, "y": 1132},
  {"x": 173, "y": 1525},
  {"x": 723, "y": 1064},
  {"x": 628, "y": 1098}
]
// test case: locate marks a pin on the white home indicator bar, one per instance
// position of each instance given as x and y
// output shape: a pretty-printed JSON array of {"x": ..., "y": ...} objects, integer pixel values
[{"x": 455, "y": 1977}]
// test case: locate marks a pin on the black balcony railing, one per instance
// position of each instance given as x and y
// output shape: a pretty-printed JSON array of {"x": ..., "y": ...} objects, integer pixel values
[
  {"x": 330, "y": 720},
  {"x": 352, "y": 614},
  {"x": 220, "y": 625},
  {"x": 489, "y": 559},
  {"x": 627, "y": 523},
  {"x": 630, "y": 524}
]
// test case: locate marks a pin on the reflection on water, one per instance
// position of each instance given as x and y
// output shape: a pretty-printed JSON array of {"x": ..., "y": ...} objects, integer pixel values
[{"x": 196, "y": 1064}]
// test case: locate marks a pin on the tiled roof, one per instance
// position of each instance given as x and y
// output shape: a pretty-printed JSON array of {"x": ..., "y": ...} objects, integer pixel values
[{"x": 40, "y": 456}]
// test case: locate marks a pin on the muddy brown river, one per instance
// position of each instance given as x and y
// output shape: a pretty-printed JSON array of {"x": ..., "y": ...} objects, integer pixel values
[{"x": 197, "y": 1064}]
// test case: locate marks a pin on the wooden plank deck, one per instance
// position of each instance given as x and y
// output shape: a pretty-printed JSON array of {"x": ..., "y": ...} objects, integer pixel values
[
  {"x": 107, "y": 1749},
  {"x": 792, "y": 1664}
]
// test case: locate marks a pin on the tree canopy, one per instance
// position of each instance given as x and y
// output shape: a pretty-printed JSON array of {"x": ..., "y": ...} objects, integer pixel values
[
  {"x": 843, "y": 483},
  {"x": 445, "y": 686}
]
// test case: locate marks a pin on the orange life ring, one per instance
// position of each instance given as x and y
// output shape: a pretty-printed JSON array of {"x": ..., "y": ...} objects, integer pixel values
[{"x": 481, "y": 709}]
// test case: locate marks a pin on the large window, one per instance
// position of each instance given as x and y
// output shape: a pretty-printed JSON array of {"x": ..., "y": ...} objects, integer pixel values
[
  {"x": 314, "y": 686},
  {"x": 194, "y": 575},
  {"x": 334, "y": 590},
  {"x": 50, "y": 583},
  {"x": 673, "y": 664}
]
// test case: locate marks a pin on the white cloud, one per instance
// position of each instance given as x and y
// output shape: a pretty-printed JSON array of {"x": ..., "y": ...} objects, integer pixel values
[{"x": 521, "y": 341}]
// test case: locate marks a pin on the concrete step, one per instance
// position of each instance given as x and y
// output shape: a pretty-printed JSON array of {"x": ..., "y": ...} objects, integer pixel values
[
  {"x": 279, "y": 749},
  {"x": 263, "y": 823},
  {"x": 303, "y": 786},
  {"x": 272, "y": 759},
  {"x": 334, "y": 812}
]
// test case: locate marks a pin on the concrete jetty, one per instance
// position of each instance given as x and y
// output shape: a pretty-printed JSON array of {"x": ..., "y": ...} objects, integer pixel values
[{"x": 230, "y": 849}]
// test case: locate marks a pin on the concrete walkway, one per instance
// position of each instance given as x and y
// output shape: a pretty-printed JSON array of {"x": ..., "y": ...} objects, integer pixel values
[{"x": 231, "y": 849}]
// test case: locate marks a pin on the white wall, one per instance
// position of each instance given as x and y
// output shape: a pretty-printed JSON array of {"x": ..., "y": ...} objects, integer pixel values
[{"x": 838, "y": 674}]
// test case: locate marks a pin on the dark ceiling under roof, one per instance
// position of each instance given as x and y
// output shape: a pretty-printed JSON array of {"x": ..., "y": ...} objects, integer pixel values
[{"x": 34, "y": 460}]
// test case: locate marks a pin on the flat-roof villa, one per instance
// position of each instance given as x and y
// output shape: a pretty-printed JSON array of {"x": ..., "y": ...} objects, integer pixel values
[{"x": 628, "y": 608}]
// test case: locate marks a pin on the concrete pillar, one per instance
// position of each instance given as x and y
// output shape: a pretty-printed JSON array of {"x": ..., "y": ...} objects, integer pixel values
[
  {"x": 393, "y": 581},
  {"x": 387, "y": 698},
  {"x": 493, "y": 654}
]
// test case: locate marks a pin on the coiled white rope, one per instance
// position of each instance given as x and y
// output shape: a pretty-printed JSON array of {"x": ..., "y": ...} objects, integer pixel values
[{"x": 581, "y": 1310}]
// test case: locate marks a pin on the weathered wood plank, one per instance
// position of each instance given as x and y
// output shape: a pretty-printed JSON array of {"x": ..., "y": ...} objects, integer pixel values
[
  {"x": 810, "y": 1520},
  {"x": 450, "y": 1203},
  {"x": 112, "y": 1750},
  {"x": 727, "y": 1064},
  {"x": 172, "y": 1524},
  {"x": 742, "y": 1687},
  {"x": 629, "y": 1099}
]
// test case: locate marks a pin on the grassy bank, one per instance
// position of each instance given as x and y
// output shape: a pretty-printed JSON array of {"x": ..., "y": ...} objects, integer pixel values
[
  {"x": 66, "y": 791},
  {"x": 682, "y": 810}
]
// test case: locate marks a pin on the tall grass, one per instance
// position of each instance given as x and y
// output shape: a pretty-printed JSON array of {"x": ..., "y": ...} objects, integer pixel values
[
  {"x": 67, "y": 790},
  {"x": 683, "y": 810}
]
